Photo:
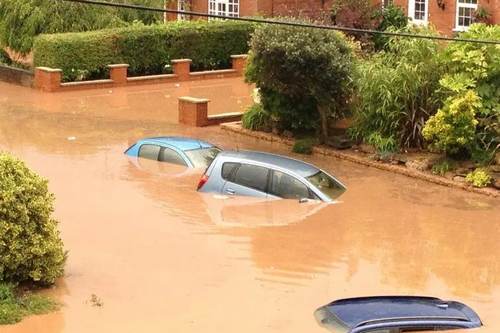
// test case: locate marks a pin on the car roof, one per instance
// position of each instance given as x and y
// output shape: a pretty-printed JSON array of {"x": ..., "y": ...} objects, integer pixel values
[
  {"x": 302, "y": 169},
  {"x": 179, "y": 142},
  {"x": 358, "y": 311}
]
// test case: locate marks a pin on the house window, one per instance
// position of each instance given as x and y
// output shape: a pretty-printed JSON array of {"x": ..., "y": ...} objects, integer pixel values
[
  {"x": 465, "y": 11},
  {"x": 386, "y": 3},
  {"x": 418, "y": 10},
  {"x": 230, "y": 8},
  {"x": 182, "y": 7}
]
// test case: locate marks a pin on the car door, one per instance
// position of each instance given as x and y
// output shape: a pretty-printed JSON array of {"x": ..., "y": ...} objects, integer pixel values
[{"x": 247, "y": 180}]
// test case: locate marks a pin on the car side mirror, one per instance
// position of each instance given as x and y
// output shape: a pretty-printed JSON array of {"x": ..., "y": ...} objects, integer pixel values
[{"x": 303, "y": 200}]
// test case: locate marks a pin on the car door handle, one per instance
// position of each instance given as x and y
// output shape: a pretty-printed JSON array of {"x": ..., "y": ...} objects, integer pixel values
[{"x": 229, "y": 191}]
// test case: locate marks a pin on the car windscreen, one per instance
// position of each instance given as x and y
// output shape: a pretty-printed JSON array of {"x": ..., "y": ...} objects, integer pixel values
[
  {"x": 202, "y": 157},
  {"x": 326, "y": 184}
]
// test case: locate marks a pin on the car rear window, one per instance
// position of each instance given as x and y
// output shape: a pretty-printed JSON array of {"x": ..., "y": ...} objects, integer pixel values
[
  {"x": 227, "y": 168},
  {"x": 327, "y": 185},
  {"x": 149, "y": 151},
  {"x": 202, "y": 157}
]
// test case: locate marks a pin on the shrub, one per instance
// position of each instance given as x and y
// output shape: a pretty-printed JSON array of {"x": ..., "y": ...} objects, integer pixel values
[
  {"x": 393, "y": 17},
  {"x": 476, "y": 67},
  {"x": 452, "y": 130},
  {"x": 302, "y": 63},
  {"x": 256, "y": 118},
  {"x": 147, "y": 49},
  {"x": 303, "y": 146},
  {"x": 4, "y": 57},
  {"x": 30, "y": 246},
  {"x": 478, "y": 178},
  {"x": 13, "y": 308},
  {"x": 395, "y": 92}
]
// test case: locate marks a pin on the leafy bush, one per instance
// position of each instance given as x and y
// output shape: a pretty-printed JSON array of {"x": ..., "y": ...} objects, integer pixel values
[
  {"x": 14, "y": 308},
  {"x": 476, "y": 67},
  {"x": 4, "y": 57},
  {"x": 30, "y": 246},
  {"x": 303, "y": 146},
  {"x": 301, "y": 63},
  {"x": 441, "y": 168},
  {"x": 147, "y": 49},
  {"x": 395, "y": 92},
  {"x": 393, "y": 17},
  {"x": 478, "y": 178},
  {"x": 256, "y": 118},
  {"x": 452, "y": 129}
]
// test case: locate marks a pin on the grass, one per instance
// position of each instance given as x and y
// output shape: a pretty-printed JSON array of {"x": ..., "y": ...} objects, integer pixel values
[{"x": 15, "y": 305}]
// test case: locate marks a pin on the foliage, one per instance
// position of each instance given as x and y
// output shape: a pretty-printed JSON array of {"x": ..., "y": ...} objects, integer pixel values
[
  {"x": 395, "y": 92},
  {"x": 301, "y": 63},
  {"x": 4, "y": 57},
  {"x": 256, "y": 118},
  {"x": 13, "y": 308},
  {"x": 453, "y": 128},
  {"x": 359, "y": 14},
  {"x": 293, "y": 112},
  {"x": 476, "y": 67},
  {"x": 441, "y": 168},
  {"x": 23, "y": 20},
  {"x": 481, "y": 15},
  {"x": 393, "y": 18},
  {"x": 303, "y": 146},
  {"x": 147, "y": 49},
  {"x": 478, "y": 178},
  {"x": 30, "y": 246}
]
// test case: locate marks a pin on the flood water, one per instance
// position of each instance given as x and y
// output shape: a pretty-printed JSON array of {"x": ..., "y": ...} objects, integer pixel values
[{"x": 163, "y": 258}]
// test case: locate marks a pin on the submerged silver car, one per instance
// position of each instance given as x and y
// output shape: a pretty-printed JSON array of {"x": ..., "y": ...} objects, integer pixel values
[{"x": 257, "y": 174}]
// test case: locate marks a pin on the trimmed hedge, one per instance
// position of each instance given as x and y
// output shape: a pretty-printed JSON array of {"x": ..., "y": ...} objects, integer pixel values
[{"x": 147, "y": 49}]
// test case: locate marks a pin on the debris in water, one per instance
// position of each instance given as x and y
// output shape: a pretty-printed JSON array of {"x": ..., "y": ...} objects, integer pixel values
[
  {"x": 177, "y": 85},
  {"x": 72, "y": 138}
]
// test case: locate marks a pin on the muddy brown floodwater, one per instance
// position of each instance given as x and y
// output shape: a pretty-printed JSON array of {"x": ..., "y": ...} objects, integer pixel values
[{"x": 163, "y": 258}]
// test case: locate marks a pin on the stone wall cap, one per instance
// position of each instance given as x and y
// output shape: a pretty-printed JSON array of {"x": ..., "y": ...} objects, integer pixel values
[
  {"x": 194, "y": 100},
  {"x": 48, "y": 69},
  {"x": 175, "y": 61},
  {"x": 237, "y": 56},
  {"x": 118, "y": 65}
]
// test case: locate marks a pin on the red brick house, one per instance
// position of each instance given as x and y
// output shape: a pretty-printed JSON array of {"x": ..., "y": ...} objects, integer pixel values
[{"x": 448, "y": 16}]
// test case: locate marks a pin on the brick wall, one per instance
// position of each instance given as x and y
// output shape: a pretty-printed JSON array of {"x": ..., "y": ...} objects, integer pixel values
[{"x": 17, "y": 76}]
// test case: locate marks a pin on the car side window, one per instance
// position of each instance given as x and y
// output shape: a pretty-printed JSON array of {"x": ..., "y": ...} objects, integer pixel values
[
  {"x": 288, "y": 187},
  {"x": 251, "y": 176},
  {"x": 149, "y": 152},
  {"x": 170, "y": 156},
  {"x": 227, "y": 168}
]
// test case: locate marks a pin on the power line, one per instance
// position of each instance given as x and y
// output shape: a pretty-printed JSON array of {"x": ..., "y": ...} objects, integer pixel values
[{"x": 295, "y": 24}]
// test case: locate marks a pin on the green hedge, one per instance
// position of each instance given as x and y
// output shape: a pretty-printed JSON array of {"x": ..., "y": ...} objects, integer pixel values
[{"x": 147, "y": 49}]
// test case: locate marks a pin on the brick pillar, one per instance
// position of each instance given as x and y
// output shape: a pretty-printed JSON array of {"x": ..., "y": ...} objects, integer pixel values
[
  {"x": 47, "y": 79},
  {"x": 239, "y": 63},
  {"x": 193, "y": 111},
  {"x": 182, "y": 68},
  {"x": 118, "y": 73}
]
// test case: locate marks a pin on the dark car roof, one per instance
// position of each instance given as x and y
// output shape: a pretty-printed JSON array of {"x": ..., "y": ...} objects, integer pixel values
[
  {"x": 301, "y": 168},
  {"x": 180, "y": 142},
  {"x": 356, "y": 311}
]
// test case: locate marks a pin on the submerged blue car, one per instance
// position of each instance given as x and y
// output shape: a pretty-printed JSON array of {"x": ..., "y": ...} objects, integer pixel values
[{"x": 188, "y": 152}]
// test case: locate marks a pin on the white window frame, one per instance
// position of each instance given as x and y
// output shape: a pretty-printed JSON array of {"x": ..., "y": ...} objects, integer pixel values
[
  {"x": 463, "y": 5},
  {"x": 181, "y": 6},
  {"x": 229, "y": 8},
  {"x": 411, "y": 12}
]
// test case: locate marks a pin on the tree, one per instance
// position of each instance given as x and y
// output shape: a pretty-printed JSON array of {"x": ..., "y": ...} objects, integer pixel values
[
  {"x": 302, "y": 63},
  {"x": 30, "y": 246},
  {"x": 22, "y": 20}
]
